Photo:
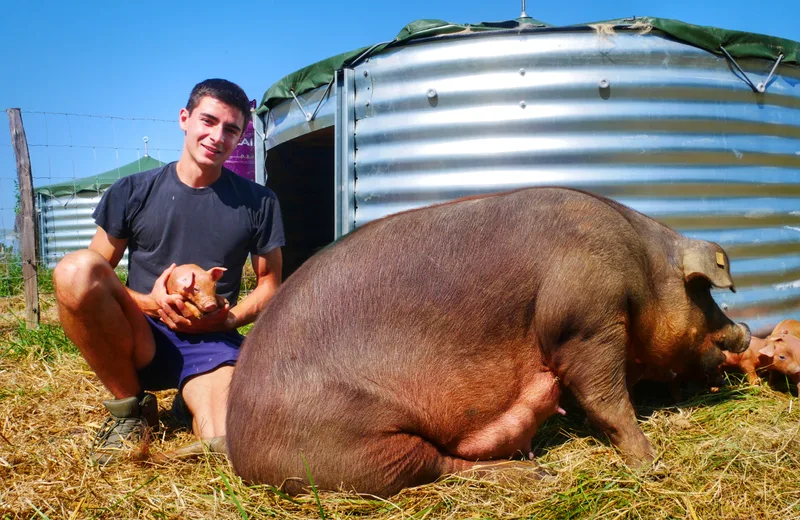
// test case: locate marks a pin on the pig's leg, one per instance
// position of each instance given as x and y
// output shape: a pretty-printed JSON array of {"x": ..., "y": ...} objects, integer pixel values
[
  {"x": 750, "y": 371},
  {"x": 382, "y": 464},
  {"x": 594, "y": 371},
  {"x": 193, "y": 309},
  {"x": 194, "y": 449}
]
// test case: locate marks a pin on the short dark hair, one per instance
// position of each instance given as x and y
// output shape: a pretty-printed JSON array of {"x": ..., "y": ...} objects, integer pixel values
[{"x": 222, "y": 90}]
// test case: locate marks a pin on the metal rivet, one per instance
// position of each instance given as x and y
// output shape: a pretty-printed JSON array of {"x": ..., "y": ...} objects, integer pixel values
[
  {"x": 367, "y": 103},
  {"x": 521, "y": 72},
  {"x": 604, "y": 83},
  {"x": 366, "y": 73},
  {"x": 432, "y": 93},
  {"x": 522, "y": 104},
  {"x": 724, "y": 307},
  {"x": 761, "y": 87}
]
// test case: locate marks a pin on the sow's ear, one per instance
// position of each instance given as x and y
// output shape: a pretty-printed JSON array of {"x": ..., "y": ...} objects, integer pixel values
[{"x": 707, "y": 260}]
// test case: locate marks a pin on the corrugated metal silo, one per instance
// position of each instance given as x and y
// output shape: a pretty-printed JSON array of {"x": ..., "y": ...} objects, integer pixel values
[
  {"x": 645, "y": 111},
  {"x": 65, "y": 210}
]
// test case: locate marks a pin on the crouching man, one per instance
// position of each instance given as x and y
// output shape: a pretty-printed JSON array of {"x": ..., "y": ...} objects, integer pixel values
[{"x": 138, "y": 337}]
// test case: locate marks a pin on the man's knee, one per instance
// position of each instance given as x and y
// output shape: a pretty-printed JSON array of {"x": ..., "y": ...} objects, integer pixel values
[{"x": 79, "y": 276}]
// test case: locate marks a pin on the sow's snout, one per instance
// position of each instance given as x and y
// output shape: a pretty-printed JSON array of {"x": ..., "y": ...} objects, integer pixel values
[{"x": 740, "y": 339}]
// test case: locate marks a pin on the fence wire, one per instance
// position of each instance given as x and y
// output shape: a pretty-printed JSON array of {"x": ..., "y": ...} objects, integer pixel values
[{"x": 68, "y": 149}]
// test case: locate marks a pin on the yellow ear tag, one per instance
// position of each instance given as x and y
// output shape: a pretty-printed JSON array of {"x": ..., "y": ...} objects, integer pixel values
[{"x": 720, "y": 259}]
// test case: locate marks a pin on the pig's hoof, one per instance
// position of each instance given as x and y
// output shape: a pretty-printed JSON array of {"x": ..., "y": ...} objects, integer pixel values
[
  {"x": 657, "y": 471},
  {"x": 195, "y": 449},
  {"x": 294, "y": 486},
  {"x": 511, "y": 471}
]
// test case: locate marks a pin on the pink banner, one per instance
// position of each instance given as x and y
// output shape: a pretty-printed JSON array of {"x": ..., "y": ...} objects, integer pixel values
[{"x": 242, "y": 161}]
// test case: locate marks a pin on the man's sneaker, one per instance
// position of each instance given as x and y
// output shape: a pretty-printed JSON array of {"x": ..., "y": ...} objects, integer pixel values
[{"x": 131, "y": 421}]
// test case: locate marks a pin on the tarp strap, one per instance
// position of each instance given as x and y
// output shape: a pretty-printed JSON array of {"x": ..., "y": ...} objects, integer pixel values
[
  {"x": 355, "y": 61},
  {"x": 310, "y": 117},
  {"x": 780, "y": 57},
  {"x": 743, "y": 73},
  {"x": 761, "y": 87},
  {"x": 324, "y": 95},
  {"x": 299, "y": 104}
]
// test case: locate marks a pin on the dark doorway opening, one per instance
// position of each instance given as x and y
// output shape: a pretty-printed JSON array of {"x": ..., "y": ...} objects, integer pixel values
[{"x": 301, "y": 173}]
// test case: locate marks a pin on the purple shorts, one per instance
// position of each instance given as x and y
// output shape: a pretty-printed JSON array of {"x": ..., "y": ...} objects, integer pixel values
[{"x": 179, "y": 356}]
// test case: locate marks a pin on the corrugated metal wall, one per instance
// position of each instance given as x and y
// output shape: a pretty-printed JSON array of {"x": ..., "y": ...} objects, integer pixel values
[
  {"x": 66, "y": 225},
  {"x": 661, "y": 126}
]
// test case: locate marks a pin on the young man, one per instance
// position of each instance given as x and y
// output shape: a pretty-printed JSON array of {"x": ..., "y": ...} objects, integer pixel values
[{"x": 138, "y": 337}]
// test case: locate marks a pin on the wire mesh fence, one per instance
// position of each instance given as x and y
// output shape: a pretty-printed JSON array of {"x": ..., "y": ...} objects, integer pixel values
[
  {"x": 73, "y": 159},
  {"x": 9, "y": 206}
]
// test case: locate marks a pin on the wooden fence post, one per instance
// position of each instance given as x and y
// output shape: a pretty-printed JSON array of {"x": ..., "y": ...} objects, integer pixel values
[{"x": 27, "y": 210}]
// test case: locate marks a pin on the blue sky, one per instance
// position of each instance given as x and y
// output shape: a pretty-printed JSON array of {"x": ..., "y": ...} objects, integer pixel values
[{"x": 139, "y": 60}]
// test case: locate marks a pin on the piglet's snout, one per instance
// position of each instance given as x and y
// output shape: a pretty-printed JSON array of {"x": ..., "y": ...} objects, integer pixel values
[{"x": 208, "y": 305}]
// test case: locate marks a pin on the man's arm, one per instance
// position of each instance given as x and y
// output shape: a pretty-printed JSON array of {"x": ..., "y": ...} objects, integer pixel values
[
  {"x": 112, "y": 249},
  {"x": 109, "y": 247},
  {"x": 268, "y": 270}
]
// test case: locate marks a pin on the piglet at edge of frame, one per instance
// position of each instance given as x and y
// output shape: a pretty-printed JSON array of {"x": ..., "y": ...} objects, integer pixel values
[{"x": 778, "y": 354}]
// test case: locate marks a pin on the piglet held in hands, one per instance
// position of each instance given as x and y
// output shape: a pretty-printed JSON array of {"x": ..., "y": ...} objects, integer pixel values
[{"x": 197, "y": 287}]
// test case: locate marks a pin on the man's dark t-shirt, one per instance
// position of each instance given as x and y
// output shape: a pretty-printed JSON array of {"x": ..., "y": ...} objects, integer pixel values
[{"x": 166, "y": 221}]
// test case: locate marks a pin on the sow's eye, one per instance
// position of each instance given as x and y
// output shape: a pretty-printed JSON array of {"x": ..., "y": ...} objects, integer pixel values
[{"x": 782, "y": 357}]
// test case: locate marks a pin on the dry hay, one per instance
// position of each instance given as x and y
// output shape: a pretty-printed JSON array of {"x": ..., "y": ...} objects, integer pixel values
[
  {"x": 735, "y": 454},
  {"x": 608, "y": 31},
  {"x": 12, "y": 311}
]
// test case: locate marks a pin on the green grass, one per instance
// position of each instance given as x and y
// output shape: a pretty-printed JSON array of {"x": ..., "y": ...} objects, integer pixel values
[
  {"x": 10, "y": 275},
  {"x": 46, "y": 343},
  {"x": 12, "y": 281}
]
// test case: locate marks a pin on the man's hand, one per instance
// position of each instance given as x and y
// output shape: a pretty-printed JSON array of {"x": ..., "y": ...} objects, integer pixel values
[
  {"x": 218, "y": 320},
  {"x": 172, "y": 304}
]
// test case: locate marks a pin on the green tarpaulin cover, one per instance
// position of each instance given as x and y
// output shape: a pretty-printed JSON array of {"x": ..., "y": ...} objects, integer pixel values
[
  {"x": 738, "y": 44},
  {"x": 99, "y": 182}
]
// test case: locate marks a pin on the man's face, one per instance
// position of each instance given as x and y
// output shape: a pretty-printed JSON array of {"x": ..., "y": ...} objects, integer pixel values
[{"x": 212, "y": 131}]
